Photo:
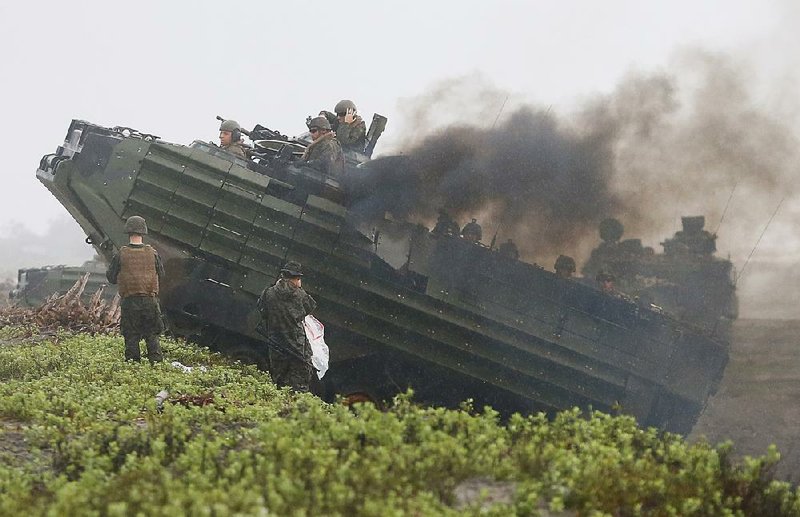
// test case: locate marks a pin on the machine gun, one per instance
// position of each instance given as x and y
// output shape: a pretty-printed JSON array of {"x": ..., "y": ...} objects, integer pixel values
[{"x": 271, "y": 147}]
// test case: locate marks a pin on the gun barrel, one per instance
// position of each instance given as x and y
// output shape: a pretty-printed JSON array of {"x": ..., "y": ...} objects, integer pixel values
[{"x": 243, "y": 130}]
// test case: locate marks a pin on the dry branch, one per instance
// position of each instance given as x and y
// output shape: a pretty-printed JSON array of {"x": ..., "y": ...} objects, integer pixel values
[{"x": 67, "y": 312}]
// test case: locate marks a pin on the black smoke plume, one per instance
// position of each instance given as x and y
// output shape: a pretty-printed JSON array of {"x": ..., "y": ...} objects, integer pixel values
[
  {"x": 534, "y": 179},
  {"x": 661, "y": 145}
]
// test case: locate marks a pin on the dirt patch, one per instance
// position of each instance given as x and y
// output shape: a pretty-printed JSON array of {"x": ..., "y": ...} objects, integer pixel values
[
  {"x": 14, "y": 448},
  {"x": 757, "y": 402}
]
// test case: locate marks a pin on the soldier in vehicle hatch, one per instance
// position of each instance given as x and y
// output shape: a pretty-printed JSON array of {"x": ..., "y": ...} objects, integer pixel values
[
  {"x": 325, "y": 152},
  {"x": 509, "y": 249},
  {"x": 351, "y": 130},
  {"x": 445, "y": 225},
  {"x": 564, "y": 266},
  {"x": 230, "y": 138},
  {"x": 283, "y": 308},
  {"x": 137, "y": 268},
  {"x": 605, "y": 281},
  {"x": 472, "y": 231}
]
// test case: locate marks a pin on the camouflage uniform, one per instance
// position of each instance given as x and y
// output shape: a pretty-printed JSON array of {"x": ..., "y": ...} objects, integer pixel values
[
  {"x": 137, "y": 268},
  {"x": 236, "y": 149},
  {"x": 284, "y": 307},
  {"x": 352, "y": 136},
  {"x": 325, "y": 154}
]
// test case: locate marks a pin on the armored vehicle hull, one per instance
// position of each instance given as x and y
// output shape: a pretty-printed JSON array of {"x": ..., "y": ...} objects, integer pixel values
[
  {"x": 35, "y": 285},
  {"x": 454, "y": 321}
]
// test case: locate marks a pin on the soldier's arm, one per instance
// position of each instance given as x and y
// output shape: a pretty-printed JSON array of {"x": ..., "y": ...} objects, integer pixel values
[
  {"x": 360, "y": 133},
  {"x": 309, "y": 304},
  {"x": 113, "y": 269},
  {"x": 345, "y": 134},
  {"x": 261, "y": 305},
  {"x": 159, "y": 265}
]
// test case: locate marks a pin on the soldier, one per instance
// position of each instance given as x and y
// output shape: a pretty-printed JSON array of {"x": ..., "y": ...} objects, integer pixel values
[
  {"x": 472, "y": 231},
  {"x": 283, "y": 307},
  {"x": 606, "y": 282},
  {"x": 137, "y": 267},
  {"x": 351, "y": 130},
  {"x": 230, "y": 138},
  {"x": 324, "y": 153},
  {"x": 509, "y": 249},
  {"x": 332, "y": 120},
  {"x": 564, "y": 266},
  {"x": 445, "y": 224}
]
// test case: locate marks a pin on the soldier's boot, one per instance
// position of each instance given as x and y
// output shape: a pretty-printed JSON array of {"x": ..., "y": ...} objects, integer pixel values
[
  {"x": 132, "y": 352},
  {"x": 153, "y": 349}
]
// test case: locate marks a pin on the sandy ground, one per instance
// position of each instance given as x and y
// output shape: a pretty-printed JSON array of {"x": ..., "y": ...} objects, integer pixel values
[{"x": 758, "y": 402}]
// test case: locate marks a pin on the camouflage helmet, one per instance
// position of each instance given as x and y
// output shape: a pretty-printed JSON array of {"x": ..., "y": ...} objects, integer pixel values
[
  {"x": 611, "y": 230},
  {"x": 319, "y": 123},
  {"x": 230, "y": 125},
  {"x": 565, "y": 263},
  {"x": 330, "y": 116},
  {"x": 136, "y": 224},
  {"x": 343, "y": 105},
  {"x": 292, "y": 269}
]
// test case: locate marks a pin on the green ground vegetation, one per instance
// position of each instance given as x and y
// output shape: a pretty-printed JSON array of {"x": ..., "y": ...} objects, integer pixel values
[{"x": 81, "y": 433}]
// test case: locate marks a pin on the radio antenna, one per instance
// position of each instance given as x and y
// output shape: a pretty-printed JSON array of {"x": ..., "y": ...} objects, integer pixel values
[
  {"x": 741, "y": 271},
  {"x": 726, "y": 208}
]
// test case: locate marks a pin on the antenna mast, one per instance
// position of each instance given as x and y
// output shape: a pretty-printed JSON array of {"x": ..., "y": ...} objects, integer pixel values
[{"x": 741, "y": 271}]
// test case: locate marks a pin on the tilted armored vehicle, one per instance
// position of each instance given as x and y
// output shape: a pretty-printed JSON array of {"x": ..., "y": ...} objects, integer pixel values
[
  {"x": 687, "y": 280},
  {"x": 35, "y": 285},
  {"x": 449, "y": 317}
]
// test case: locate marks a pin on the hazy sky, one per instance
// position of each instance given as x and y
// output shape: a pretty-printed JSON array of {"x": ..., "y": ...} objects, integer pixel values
[{"x": 169, "y": 67}]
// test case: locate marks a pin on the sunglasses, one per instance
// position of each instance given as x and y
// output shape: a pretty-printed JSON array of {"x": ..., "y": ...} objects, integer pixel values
[{"x": 313, "y": 130}]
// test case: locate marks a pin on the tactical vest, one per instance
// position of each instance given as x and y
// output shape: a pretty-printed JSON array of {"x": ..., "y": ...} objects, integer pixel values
[{"x": 137, "y": 271}]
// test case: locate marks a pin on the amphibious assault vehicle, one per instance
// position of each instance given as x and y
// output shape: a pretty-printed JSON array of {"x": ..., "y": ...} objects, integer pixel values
[
  {"x": 687, "y": 280},
  {"x": 35, "y": 285},
  {"x": 451, "y": 318}
]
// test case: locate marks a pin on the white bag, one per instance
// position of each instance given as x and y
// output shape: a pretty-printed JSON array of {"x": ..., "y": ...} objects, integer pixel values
[{"x": 315, "y": 332}]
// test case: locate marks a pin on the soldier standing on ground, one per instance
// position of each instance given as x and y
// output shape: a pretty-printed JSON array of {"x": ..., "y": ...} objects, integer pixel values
[
  {"x": 230, "y": 138},
  {"x": 137, "y": 268},
  {"x": 351, "y": 130},
  {"x": 325, "y": 152},
  {"x": 284, "y": 306}
]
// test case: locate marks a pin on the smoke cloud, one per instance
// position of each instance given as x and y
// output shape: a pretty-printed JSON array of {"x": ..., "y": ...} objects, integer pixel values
[
  {"x": 692, "y": 141},
  {"x": 522, "y": 175}
]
